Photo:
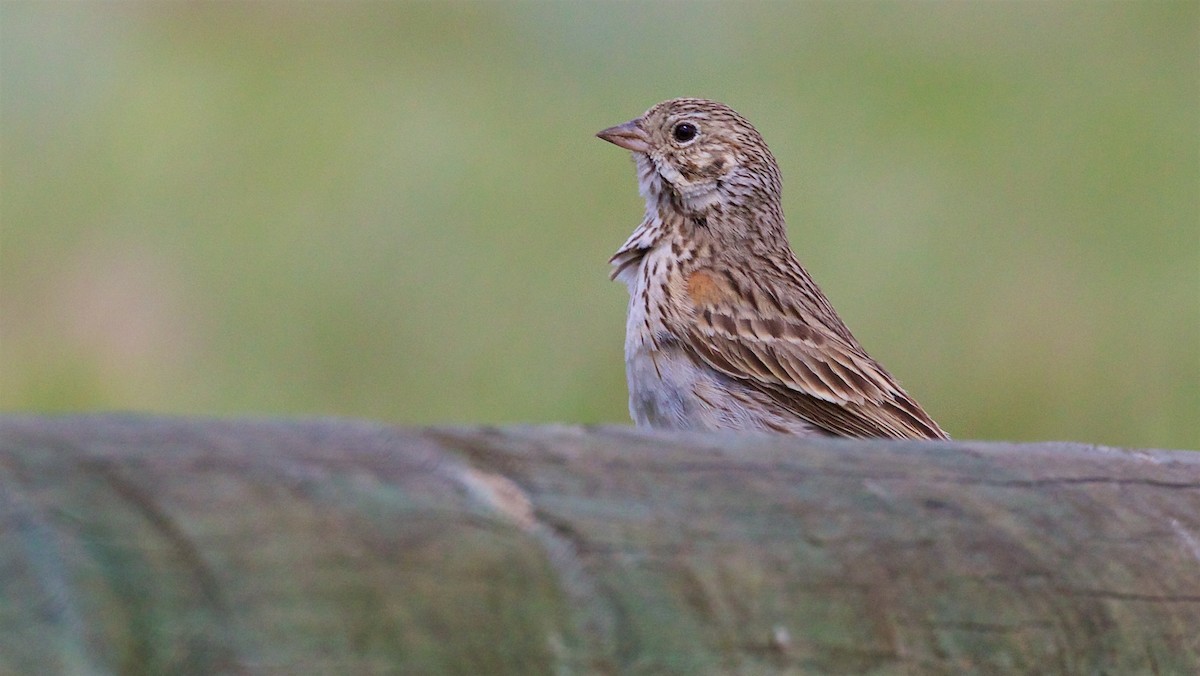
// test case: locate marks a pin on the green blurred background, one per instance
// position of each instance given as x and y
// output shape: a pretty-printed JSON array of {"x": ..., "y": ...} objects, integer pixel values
[{"x": 398, "y": 210}]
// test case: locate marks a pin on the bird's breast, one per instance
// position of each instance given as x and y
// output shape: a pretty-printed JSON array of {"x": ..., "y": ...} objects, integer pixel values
[{"x": 650, "y": 314}]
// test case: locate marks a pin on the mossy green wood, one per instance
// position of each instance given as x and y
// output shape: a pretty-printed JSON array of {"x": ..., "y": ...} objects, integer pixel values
[{"x": 154, "y": 545}]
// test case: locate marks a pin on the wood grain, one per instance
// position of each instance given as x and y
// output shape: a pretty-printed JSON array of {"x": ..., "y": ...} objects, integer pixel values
[{"x": 139, "y": 544}]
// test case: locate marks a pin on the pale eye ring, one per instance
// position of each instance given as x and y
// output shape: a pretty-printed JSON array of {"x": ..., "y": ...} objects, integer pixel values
[{"x": 685, "y": 132}]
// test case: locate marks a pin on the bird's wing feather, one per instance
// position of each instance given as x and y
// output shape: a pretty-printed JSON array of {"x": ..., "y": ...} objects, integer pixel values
[{"x": 808, "y": 368}]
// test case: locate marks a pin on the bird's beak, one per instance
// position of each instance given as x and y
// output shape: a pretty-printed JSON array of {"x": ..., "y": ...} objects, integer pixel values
[{"x": 629, "y": 136}]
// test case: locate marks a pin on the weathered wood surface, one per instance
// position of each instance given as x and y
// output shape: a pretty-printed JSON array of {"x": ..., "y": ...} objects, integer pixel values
[{"x": 154, "y": 545}]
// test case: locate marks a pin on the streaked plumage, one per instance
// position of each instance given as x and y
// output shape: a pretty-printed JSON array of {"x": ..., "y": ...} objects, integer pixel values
[{"x": 726, "y": 330}]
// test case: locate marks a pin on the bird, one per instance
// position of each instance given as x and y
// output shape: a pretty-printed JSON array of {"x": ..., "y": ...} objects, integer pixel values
[{"x": 725, "y": 328}]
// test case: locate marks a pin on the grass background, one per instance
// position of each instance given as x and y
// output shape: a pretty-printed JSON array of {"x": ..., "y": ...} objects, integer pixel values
[{"x": 398, "y": 210}]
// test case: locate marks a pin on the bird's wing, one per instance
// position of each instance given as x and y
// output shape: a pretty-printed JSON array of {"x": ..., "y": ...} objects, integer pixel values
[{"x": 810, "y": 367}]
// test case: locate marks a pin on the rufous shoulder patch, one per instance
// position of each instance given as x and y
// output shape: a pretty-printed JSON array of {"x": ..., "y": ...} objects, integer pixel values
[{"x": 706, "y": 288}]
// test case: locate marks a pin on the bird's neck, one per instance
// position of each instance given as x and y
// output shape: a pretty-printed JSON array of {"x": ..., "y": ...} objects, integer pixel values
[{"x": 701, "y": 219}]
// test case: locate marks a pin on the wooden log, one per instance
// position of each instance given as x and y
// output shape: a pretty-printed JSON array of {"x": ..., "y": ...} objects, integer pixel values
[{"x": 138, "y": 544}]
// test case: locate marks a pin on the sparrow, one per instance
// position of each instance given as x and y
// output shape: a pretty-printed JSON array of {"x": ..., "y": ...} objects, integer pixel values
[{"x": 726, "y": 330}]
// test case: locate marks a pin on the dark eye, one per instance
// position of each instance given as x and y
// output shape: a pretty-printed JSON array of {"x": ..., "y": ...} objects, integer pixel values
[{"x": 685, "y": 131}]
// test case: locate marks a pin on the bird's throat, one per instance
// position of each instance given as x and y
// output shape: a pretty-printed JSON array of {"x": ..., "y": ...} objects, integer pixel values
[{"x": 661, "y": 185}]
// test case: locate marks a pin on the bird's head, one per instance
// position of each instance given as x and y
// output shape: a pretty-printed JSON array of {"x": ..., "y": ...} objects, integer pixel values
[{"x": 699, "y": 154}]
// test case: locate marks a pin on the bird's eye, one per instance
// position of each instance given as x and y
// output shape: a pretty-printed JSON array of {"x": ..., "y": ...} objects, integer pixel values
[{"x": 685, "y": 131}]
